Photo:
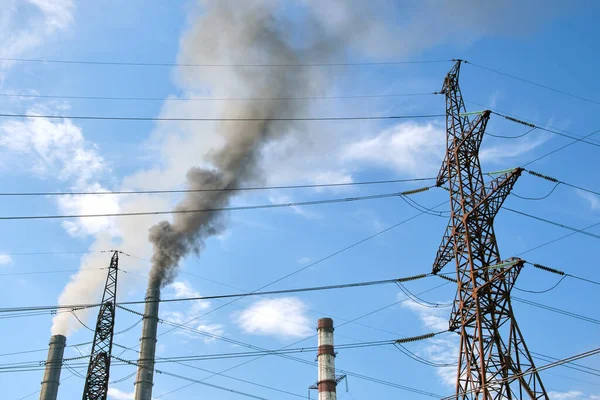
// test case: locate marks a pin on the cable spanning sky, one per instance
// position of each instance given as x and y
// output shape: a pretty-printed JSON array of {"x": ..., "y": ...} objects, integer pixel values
[{"x": 124, "y": 98}]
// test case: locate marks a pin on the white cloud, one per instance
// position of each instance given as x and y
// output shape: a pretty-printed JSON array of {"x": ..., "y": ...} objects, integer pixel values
[
  {"x": 592, "y": 199},
  {"x": 59, "y": 150},
  {"x": 304, "y": 260},
  {"x": 5, "y": 259},
  {"x": 53, "y": 149},
  {"x": 408, "y": 147},
  {"x": 432, "y": 318},
  {"x": 25, "y": 25},
  {"x": 282, "y": 318},
  {"x": 119, "y": 394},
  {"x": 441, "y": 349},
  {"x": 572, "y": 394},
  {"x": 211, "y": 329},
  {"x": 182, "y": 289}
]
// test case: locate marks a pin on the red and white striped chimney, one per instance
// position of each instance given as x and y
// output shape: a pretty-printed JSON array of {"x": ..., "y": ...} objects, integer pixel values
[{"x": 326, "y": 358}]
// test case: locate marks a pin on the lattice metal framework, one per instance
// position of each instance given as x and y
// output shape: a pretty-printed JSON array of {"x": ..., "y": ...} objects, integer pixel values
[
  {"x": 96, "y": 383},
  {"x": 494, "y": 362}
]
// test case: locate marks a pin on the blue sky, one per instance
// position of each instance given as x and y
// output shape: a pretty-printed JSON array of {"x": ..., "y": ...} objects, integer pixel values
[{"x": 554, "y": 45}]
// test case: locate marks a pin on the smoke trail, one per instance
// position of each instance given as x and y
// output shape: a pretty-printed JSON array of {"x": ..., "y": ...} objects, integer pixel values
[{"x": 247, "y": 31}]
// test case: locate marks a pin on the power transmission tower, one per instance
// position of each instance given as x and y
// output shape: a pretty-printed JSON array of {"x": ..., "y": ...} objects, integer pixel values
[
  {"x": 494, "y": 362},
  {"x": 96, "y": 383}
]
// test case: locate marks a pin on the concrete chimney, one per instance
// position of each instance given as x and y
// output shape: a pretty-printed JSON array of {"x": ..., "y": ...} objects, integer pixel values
[
  {"x": 326, "y": 358},
  {"x": 145, "y": 373},
  {"x": 53, "y": 366}
]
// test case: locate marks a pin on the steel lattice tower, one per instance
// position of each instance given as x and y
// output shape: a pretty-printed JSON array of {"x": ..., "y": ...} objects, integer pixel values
[
  {"x": 494, "y": 362},
  {"x": 96, "y": 383}
]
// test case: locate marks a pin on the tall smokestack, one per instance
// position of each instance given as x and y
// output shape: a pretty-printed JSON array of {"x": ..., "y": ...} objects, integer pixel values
[
  {"x": 326, "y": 358},
  {"x": 145, "y": 373},
  {"x": 53, "y": 366}
]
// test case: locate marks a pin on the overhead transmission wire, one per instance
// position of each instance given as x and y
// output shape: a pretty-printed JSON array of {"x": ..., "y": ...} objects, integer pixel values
[
  {"x": 240, "y": 189},
  {"x": 541, "y": 306},
  {"x": 530, "y": 82},
  {"x": 375, "y": 380},
  {"x": 553, "y": 131},
  {"x": 171, "y": 64},
  {"x": 215, "y": 119},
  {"x": 312, "y": 264},
  {"x": 532, "y": 124},
  {"x": 337, "y": 318},
  {"x": 534, "y": 370},
  {"x": 220, "y": 374},
  {"x": 581, "y": 231},
  {"x": 232, "y": 208},
  {"x": 167, "y": 98},
  {"x": 36, "y": 364},
  {"x": 74, "y": 307}
]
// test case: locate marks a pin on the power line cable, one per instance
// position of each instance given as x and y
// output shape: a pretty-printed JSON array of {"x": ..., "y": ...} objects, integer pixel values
[
  {"x": 534, "y": 370},
  {"x": 579, "y": 139},
  {"x": 541, "y": 291},
  {"x": 222, "y": 375},
  {"x": 171, "y": 64},
  {"x": 582, "y": 231},
  {"x": 233, "y": 208},
  {"x": 184, "y": 119},
  {"x": 557, "y": 310},
  {"x": 559, "y": 182},
  {"x": 511, "y": 137},
  {"x": 305, "y": 362},
  {"x": 561, "y": 148},
  {"x": 74, "y": 307},
  {"x": 166, "y": 98},
  {"x": 241, "y": 189},
  {"x": 557, "y": 239},
  {"x": 533, "y": 83},
  {"x": 537, "y": 198}
]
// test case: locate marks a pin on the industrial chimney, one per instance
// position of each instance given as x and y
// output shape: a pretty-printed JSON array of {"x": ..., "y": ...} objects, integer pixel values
[
  {"x": 145, "y": 372},
  {"x": 53, "y": 366},
  {"x": 326, "y": 358}
]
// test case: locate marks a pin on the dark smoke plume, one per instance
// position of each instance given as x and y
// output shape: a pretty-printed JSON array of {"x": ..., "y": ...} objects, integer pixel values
[{"x": 233, "y": 31}]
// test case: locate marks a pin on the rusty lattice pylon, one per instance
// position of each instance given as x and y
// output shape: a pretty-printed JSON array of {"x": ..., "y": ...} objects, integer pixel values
[{"x": 494, "y": 362}]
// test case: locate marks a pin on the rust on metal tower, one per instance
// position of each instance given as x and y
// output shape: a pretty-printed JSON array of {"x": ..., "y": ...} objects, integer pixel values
[{"x": 494, "y": 362}]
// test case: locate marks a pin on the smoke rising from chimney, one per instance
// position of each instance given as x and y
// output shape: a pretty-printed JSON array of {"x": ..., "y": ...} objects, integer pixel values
[{"x": 234, "y": 32}]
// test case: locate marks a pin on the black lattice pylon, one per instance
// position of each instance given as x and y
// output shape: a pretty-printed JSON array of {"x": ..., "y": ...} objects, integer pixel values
[
  {"x": 96, "y": 382},
  {"x": 494, "y": 362}
]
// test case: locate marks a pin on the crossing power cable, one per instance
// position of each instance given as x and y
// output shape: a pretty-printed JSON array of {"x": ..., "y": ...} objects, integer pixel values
[
  {"x": 534, "y": 370},
  {"x": 233, "y": 208},
  {"x": 220, "y": 374},
  {"x": 227, "y": 65},
  {"x": 37, "y": 364},
  {"x": 575, "y": 230},
  {"x": 320, "y": 260},
  {"x": 562, "y": 147},
  {"x": 75, "y": 307},
  {"x": 557, "y": 310},
  {"x": 375, "y": 380},
  {"x": 184, "y": 119}
]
